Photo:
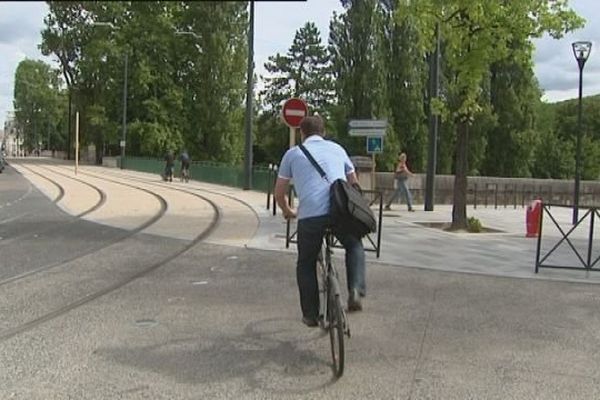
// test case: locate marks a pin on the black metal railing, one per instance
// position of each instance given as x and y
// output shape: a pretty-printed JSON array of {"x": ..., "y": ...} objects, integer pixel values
[
  {"x": 374, "y": 196},
  {"x": 585, "y": 261}
]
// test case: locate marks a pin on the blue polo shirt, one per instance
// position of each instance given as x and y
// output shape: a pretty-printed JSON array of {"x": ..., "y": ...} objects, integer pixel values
[{"x": 312, "y": 190}]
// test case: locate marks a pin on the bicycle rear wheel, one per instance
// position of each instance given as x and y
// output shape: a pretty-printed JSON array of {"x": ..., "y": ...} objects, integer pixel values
[{"x": 336, "y": 332}]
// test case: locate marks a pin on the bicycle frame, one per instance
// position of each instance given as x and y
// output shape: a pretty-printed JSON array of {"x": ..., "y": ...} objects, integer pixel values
[{"x": 332, "y": 316}]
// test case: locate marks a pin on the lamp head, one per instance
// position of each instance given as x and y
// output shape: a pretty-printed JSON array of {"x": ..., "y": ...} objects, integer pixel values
[{"x": 581, "y": 51}]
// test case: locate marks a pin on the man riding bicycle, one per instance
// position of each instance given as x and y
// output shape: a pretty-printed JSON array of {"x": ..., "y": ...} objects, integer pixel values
[
  {"x": 313, "y": 214},
  {"x": 185, "y": 164}
]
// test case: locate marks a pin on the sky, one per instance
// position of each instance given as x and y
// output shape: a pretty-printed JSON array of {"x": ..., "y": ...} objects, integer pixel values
[{"x": 275, "y": 25}]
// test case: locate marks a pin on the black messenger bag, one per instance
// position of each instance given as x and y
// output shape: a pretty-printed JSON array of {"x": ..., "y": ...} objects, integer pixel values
[{"x": 350, "y": 211}]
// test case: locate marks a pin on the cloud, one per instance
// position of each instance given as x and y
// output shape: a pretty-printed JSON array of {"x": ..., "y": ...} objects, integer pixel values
[
  {"x": 21, "y": 22},
  {"x": 276, "y": 24},
  {"x": 20, "y": 27},
  {"x": 555, "y": 64}
]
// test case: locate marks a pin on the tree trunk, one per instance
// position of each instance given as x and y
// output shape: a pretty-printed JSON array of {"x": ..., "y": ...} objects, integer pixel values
[{"x": 459, "y": 209}]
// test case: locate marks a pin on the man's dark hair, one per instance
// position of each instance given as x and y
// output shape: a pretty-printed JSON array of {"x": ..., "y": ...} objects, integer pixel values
[{"x": 312, "y": 125}]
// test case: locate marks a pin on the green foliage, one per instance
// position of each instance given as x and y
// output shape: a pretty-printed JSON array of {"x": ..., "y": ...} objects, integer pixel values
[
  {"x": 182, "y": 90},
  {"x": 358, "y": 64},
  {"x": 477, "y": 34},
  {"x": 406, "y": 82},
  {"x": 474, "y": 225},
  {"x": 39, "y": 105},
  {"x": 556, "y": 154},
  {"x": 303, "y": 72},
  {"x": 189, "y": 90}
]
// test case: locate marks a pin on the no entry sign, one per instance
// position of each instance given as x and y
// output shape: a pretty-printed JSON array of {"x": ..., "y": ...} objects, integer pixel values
[{"x": 293, "y": 111}]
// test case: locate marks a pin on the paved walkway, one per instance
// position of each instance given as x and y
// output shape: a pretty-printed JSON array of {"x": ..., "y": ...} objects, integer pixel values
[
  {"x": 222, "y": 322},
  {"x": 406, "y": 240}
]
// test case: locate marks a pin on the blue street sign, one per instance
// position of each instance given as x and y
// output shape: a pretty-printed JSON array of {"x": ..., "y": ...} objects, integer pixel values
[{"x": 374, "y": 144}]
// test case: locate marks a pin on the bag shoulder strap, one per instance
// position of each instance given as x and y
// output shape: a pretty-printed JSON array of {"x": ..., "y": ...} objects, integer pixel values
[{"x": 313, "y": 162}]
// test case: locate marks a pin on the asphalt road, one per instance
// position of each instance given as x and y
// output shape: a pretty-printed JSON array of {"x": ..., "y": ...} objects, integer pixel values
[{"x": 107, "y": 313}]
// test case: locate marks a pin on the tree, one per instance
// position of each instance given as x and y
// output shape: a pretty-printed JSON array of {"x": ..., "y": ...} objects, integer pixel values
[
  {"x": 212, "y": 74},
  {"x": 565, "y": 129},
  {"x": 183, "y": 91},
  {"x": 38, "y": 104},
  {"x": 477, "y": 34},
  {"x": 406, "y": 77},
  {"x": 358, "y": 64},
  {"x": 303, "y": 72},
  {"x": 514, "y": 97}
]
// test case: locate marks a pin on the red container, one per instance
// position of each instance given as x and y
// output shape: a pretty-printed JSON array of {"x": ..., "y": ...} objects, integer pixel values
[{"x": 532, "y": 218}]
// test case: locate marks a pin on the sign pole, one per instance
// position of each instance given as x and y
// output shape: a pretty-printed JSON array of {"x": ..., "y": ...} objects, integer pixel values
[
  {"x": 292, "y": 137},
  {"x": 373, "y": 172},
  {"x": 76, "y": 141}
]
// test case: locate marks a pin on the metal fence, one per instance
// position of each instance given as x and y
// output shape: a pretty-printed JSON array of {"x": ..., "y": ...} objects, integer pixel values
[
  {"x": 583, "y": 260},
  {"x": 373, "y": 244},
  {"x": 207, "y": 171}
]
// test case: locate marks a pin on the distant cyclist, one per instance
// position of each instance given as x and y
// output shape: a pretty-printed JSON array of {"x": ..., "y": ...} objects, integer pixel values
[
  {"x": 185, "y": 165},
  {"x": 169, "y": 166}
]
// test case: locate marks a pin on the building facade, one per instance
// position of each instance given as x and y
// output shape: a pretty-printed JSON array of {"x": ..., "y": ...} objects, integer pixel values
[{"x": 12, "y": 142}]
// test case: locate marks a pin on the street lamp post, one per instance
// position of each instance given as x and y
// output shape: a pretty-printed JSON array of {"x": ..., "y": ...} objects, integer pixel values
[
  {"x": 124, "y": 140},
  {"x": 249, "y": 99},
  {"x": 581, "y": 50},
  {"x": 434, "y": 81}
]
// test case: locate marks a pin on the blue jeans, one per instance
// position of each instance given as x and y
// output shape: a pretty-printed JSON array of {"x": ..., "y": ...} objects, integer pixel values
[
  {"x": 401, "y": 189},
  {"x": 310, "y": 238}
]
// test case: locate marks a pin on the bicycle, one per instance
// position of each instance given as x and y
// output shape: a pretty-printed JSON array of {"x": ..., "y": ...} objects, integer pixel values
[
  {"x": 185, "y": 174},
  {"x": 332, "y": 316}
]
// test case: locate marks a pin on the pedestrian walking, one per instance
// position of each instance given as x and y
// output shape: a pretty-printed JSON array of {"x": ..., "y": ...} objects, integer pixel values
[{"x": 401, "y": 175}]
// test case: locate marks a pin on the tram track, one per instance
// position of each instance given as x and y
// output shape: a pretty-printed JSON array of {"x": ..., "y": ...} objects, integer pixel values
[
  {"x": 171, "y": 186},
  {"x": 56, "y": 313},
  {"x": 159, "y": 214},
  {"x": 20, "y": 198},
  {"x": 10, "y": 203},
  {"x": 71, "y": 219}
]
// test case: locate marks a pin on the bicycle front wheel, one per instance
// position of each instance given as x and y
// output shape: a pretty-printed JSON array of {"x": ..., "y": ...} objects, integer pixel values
[{"x": 336, "y": 333}]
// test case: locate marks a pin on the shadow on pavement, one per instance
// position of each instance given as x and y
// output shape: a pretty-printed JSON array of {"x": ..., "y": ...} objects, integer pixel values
[{"x": 272, "y": 355}]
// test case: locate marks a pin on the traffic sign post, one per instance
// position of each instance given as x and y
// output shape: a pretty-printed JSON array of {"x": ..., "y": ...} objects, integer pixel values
[
  {"x": 292, "y": 112},
  {"x": 367, "y": 127},
  {"x": 374, "y": 144}
]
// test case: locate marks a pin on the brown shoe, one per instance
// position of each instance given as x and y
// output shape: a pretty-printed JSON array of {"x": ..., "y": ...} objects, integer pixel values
[
  {"x": 354, "y": 303},
  {"x": 311, "y": 323}
]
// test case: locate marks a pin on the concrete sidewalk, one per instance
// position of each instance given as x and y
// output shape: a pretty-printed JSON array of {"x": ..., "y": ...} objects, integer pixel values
[
  {"x": 406, "y": 239},
  {"x": 223, "y": 322}
]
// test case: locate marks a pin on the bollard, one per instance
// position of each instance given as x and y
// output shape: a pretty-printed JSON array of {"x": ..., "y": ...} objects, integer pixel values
[
  {"x": 269, "y": 186},
  {"x": 496, "y": 196},
  {"x": 274, "y": 179},
  {"x": 532, "y": 218}
]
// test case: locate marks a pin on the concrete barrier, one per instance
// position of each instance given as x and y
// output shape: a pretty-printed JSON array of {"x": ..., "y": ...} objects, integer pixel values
[{"x": 497, "y": 192}]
